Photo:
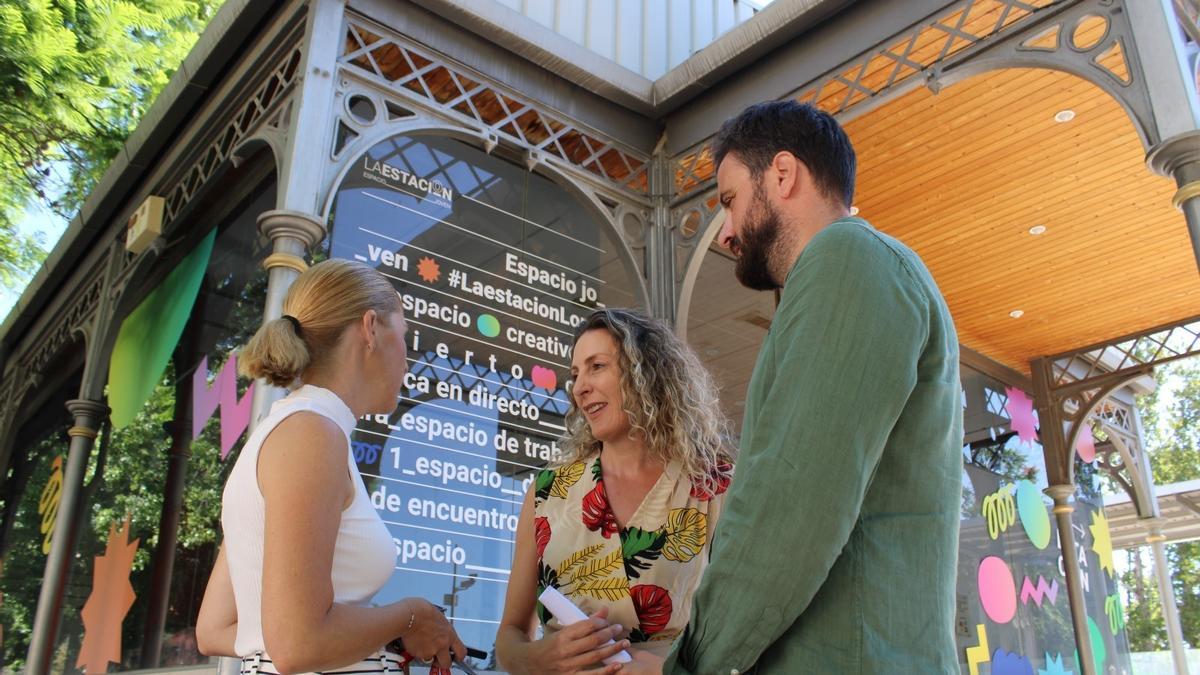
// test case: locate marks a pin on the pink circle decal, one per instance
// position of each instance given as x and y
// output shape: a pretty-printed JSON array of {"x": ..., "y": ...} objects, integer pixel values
[
  {"x": 997, "y": 590},
  {"x": 1085, "y": 445}
]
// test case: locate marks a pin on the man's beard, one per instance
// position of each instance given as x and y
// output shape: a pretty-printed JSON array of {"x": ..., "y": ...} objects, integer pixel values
[{"x": 758, "y": 244}]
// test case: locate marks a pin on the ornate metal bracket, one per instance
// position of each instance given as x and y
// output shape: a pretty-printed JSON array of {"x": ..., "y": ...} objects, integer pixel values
[
  {"x": 1069, "y": 387},
  {"x": 428, "y": 80},
  {"x": 261, "y": 109},
  {"x": 388, "y": 86},
  {"x": 1090, "y": 39}
]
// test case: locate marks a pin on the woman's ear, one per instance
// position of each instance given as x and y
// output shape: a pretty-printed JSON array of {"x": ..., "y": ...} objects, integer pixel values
[{"x": 367, "y": 327}]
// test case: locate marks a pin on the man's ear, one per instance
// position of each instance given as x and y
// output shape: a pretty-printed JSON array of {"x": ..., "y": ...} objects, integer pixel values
[{"x": 787, "y": 173}]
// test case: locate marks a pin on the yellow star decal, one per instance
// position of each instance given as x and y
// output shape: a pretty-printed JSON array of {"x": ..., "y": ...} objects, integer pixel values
[{"x": 1102, "y": 542}]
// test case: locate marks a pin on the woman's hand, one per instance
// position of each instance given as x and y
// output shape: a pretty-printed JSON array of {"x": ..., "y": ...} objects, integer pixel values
[
  {"x": 574, "y": 648},
  {"x": 578, "y": 646},
  {"x": 432, "y": 637},
  {"x": 644, "y": 663}
]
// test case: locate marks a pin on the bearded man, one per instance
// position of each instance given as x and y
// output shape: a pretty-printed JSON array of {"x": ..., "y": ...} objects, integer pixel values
[{"x": 838, "y": 543}]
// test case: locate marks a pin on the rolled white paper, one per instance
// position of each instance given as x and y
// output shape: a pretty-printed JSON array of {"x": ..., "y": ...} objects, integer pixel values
[{"x": 568, "y": 613}]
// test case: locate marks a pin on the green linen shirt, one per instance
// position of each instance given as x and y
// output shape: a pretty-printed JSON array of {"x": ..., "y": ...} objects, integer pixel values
[{"x": 837, "y": 548}]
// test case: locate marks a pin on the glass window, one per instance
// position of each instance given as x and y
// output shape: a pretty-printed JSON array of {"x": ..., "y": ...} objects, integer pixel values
[
  {"x": 1102, "y": 596},
  {"x": 1011, "y": 583},
  {"x": 35, "y": 485},
  {"x": 128, "y": 469},
  {"x": 495, "y": 266},
  {"x": 227, "y": 313}
]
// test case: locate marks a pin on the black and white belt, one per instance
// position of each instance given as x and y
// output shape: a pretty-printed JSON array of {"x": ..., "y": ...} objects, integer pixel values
[{"x": 382, "y": 662}]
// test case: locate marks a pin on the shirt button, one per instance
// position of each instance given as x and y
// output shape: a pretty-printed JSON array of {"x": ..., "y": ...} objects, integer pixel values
[{"x": 735, "y": 671}]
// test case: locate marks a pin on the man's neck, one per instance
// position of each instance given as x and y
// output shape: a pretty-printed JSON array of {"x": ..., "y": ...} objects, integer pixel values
[{"x": 795, "y": 237}]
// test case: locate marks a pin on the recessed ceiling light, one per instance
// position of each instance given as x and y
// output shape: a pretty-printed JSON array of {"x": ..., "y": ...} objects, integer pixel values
[
  {"x": 1037, "y": 229},
  {"x": 1017, "y": 313},
  {"x": 854, "y": 210},
  {"x": 1064, "y": 115}
]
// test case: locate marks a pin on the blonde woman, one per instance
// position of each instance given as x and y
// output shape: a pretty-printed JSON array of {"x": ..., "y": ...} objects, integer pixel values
[
  {"x": 622, "y": 524},
  {"x": 304, "y": 550}
]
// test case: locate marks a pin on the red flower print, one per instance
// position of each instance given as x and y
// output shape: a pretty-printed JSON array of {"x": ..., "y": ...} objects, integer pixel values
[
  {"x": 721, "y": 475},
  {"x": 541, "y": 527},
  {"x": 653, "y": 607},
  {"x": 596, "y": 514}
]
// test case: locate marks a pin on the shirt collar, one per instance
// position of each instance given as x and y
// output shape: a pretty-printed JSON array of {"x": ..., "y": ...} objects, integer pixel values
[{"x": 846, "y": 219}]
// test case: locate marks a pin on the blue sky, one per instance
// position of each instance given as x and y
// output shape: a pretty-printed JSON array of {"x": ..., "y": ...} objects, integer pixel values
[{"x": 37, "y": 220}]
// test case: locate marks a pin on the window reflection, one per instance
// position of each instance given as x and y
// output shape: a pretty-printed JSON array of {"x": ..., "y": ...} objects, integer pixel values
[{"x": 495, "y": 266}]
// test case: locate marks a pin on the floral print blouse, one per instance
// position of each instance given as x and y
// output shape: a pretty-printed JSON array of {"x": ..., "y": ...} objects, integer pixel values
[{"x": 644, "y": 573}]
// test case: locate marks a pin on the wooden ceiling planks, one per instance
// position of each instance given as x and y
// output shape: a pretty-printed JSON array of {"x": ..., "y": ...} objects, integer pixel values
[{"x": 963, "y": 175}]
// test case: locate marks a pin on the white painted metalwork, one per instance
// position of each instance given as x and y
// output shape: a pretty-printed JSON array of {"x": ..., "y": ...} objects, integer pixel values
[
  {"x": 425, "y": 79},
  {"x": 1128, "y": 462},
  {"x": 259, "y": 110}
]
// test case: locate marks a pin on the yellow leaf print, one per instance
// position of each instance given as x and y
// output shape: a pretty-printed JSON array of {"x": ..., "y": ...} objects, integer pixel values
[
  {"x": 564, "y": 478},
  {"x": 597, "y": 568},
  {"x": 686, "y": 530},
  {"x": 605, "y": 589},
  {"x": 578, "y": 557}
]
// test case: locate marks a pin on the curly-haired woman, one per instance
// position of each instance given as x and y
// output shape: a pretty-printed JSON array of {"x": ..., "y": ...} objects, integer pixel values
[{"x": 621, "y": 525}]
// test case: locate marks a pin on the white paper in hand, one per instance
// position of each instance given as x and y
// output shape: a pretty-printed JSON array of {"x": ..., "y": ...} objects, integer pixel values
[{"x": 567, "y": 613}]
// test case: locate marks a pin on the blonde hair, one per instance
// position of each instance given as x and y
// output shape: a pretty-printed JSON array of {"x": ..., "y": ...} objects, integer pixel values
[
  {"x": 670, "y": 398},
  {"x": 323, "y": 301}
]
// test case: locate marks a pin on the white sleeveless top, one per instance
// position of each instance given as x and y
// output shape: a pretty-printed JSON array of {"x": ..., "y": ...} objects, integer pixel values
[{"x": 364, "y": 555}]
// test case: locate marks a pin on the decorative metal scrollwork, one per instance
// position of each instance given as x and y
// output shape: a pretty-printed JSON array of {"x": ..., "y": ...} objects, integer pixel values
[{"x": 422, "y": 75}]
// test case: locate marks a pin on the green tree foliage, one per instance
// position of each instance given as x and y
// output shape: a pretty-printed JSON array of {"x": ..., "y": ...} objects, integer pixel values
[
  {"x": 124, "y": 477},
  {"x": 127, "y": 475},
  {"x": 1173, "y": 438},
  {"x": 1143, "y": 620},
  {"x": 75, "y": 78}
]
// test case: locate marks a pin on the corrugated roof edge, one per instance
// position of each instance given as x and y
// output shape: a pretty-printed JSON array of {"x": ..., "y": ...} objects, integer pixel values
[
  {"x": 775, "y": 25},
  {"x": 548, "y": 49},
  {"x": 767, "y": 30}
]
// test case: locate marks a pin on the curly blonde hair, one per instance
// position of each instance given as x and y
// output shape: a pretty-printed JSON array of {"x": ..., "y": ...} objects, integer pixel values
[{"x": 670, "y": 398}]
